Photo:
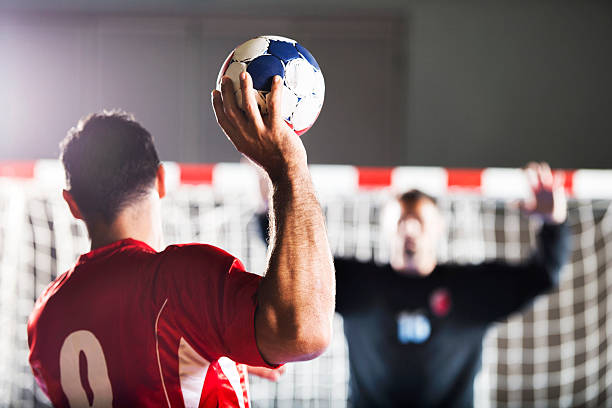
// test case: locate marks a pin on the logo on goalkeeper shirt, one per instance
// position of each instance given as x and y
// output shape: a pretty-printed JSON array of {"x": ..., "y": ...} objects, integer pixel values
[
  {"x": 412, "y": 327},
  {"x": 440, "y": 302}
]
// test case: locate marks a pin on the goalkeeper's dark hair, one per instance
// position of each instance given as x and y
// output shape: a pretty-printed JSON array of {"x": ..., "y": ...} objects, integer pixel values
[
  {"x": 414, "y": 196},
  {"x": 110, "y": 162}
]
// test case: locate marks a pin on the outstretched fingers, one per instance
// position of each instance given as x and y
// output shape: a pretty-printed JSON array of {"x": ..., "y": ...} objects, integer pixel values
[
  {"x": 222, "y": 118},
  {"x": 230, "y": 106},
  {"x": 248, "y": 100},
  {"x": 531, "y": 172},
  {"x": 546, "y": 176},
  {"x": 274, "y": 101},
  {"x": 559, "y": 180}
]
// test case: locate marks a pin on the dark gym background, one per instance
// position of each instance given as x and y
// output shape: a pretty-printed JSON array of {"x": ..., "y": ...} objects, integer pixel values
[{"x": 451, "y": 83}]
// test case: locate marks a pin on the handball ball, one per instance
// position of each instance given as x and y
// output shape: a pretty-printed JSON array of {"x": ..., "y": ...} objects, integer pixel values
[{"x": 266, "y": 56}]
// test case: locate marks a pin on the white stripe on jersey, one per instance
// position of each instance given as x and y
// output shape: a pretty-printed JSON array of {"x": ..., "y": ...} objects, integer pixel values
[
  {"x": 161, "y": 375},
  {"x": 231, "y": 372},
  {"x": 192, "y": 373}
]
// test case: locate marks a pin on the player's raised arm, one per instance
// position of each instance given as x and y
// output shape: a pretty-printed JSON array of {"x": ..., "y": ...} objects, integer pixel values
[{"x": 296, "y": 297}]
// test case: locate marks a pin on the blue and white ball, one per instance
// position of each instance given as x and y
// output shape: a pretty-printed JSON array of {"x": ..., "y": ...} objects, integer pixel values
[{"x": 268, "y": 55}]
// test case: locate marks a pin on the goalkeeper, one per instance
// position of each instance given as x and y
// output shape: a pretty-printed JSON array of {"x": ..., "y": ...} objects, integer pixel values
[{"x": 415, "y": 328}]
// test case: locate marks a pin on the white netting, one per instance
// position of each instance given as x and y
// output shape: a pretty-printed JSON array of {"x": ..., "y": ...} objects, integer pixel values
[{"x": 555, "y": 354}]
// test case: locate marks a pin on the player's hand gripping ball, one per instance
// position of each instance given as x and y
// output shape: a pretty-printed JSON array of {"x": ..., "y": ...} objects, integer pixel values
[{"x": 268, "y": 55}]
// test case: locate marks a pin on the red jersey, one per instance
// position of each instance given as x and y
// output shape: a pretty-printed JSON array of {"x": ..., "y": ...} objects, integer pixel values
[{"x": 128, "y": 326}]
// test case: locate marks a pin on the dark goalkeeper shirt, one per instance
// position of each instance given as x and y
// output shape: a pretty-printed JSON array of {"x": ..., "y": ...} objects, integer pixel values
[{"x": 417, "y": 341}]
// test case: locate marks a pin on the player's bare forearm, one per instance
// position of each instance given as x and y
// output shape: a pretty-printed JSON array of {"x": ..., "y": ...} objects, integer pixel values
[{"x": 296, "y": 297}]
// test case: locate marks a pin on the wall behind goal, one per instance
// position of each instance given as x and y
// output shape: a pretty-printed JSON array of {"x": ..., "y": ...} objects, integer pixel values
[
  {"x": 163, "y": 68},
  {"x": 554, "y": 354},
  {"x": 480, "y": 83}
]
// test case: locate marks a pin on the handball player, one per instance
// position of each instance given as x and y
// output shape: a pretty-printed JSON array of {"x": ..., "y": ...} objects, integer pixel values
[{"x": 133, "y": 324}]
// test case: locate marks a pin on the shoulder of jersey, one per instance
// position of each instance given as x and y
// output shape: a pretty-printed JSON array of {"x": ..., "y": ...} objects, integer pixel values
[{"x": 198, "y": 252}]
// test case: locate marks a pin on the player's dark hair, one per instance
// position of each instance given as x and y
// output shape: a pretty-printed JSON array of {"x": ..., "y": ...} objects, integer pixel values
[
  {"x": 110, "y": 162},
  {"x": 414, "y": 196}
]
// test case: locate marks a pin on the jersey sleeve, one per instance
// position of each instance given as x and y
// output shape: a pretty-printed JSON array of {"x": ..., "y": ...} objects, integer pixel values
[
  {"x": 502, "y": 289},
  {"x": 213, "y": 299}
]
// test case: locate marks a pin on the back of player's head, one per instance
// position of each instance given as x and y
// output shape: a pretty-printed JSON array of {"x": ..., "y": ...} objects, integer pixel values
[
  {"x": 110, "y": 162},
  {"x": 412, "y": 197}
]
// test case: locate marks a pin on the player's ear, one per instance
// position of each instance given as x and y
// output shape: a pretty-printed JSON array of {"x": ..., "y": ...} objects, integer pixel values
[
  {"x": 74, "y": 208},
  {"x": 160, "y": 182}
]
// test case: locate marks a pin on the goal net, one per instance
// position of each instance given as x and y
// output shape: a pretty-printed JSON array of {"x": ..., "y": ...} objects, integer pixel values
[{"x": 555, "y": 353}]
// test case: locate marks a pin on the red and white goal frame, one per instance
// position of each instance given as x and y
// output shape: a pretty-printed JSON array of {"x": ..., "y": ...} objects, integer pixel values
[
  {"x": 502, "y": 183},
  {"x": 214, "y": 203}
]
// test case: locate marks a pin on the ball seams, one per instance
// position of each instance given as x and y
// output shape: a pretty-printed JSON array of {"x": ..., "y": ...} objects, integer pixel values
[{"x": 281, "y": 51}]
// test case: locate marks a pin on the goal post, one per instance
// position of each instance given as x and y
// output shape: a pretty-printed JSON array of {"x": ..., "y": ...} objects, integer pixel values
[{"x": 553, "y": 354}]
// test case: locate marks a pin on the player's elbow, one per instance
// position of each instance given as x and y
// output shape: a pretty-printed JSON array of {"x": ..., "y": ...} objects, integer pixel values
[
  {"x": 307, "y": 341},
  {"x": 295, "y": 338},
  {"x": 314, "y": 339}
]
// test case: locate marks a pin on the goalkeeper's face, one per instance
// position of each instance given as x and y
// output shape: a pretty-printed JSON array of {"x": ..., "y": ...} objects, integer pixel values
[{"x": 414, "y": 242}]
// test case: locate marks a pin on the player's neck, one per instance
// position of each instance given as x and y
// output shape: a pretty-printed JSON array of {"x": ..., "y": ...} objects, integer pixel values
[{"x": 140, "y": 221}]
